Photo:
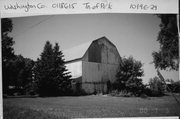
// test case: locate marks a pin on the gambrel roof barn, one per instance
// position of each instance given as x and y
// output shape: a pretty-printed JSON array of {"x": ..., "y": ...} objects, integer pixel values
[{"x": 93, "y": 65}]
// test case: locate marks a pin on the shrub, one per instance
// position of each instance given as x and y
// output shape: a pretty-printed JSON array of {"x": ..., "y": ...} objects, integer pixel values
[
  {"x": 176, "y": 87},
  {"x": 157, "y": 87},
  {"x": 123, "y": 93},
  {"x": 147, "y": 91}
]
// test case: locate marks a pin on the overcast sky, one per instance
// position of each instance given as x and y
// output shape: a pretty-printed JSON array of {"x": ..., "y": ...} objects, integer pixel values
[{"x": 132, "y": 34}]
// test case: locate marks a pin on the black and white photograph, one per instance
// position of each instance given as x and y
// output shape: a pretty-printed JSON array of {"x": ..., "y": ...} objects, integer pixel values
[{"x": 103, "y": 65}]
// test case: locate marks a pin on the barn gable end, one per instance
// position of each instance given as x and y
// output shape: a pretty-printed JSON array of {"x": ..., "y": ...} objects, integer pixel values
[{"x": 102, "y": 51}]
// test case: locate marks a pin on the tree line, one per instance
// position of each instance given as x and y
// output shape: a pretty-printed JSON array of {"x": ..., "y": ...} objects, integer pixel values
[{"x": 47, "y": 76}]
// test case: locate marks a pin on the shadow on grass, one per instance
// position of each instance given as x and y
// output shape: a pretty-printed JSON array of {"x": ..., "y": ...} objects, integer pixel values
[
  {"x": 25, "y": 96},
  {"x": 21, "y": 96},
  {"x": 12, "y": 112}
]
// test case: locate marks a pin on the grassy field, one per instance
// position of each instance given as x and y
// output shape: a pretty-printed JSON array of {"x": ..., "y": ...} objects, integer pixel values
[{"x": 89, "y": 106}]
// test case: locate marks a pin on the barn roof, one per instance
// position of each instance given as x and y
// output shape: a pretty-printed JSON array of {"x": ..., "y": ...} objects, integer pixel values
[{"x": 77, "y": 52}]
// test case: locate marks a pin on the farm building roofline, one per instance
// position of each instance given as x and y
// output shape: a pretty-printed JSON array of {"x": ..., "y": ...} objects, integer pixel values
[
  {"x": 104, "y": 37},
  {"x": 74, "y": 60},
  {"x": 76, "y": 53}
]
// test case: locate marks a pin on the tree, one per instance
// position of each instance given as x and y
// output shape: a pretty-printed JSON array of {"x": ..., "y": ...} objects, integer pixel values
[
  {"x": 157, "y": 87},
  {"x": 16, "y": 70},
  {"x": 128, "y": 76},
  {"x": 50, "y": 72},
  {"x": 60, "y": 71},
  {"x": 20, "y": 73},
  {"x": 168, "y": 55},
  {"x": 17, "y": 65},
  {"x": 7, "y": 52},
  {"x": 24, "y": 75},
  {"x": 7, "y": 41}
]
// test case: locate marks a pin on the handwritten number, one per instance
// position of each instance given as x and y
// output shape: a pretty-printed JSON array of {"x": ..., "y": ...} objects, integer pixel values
[{"x": 153, "y": 7}]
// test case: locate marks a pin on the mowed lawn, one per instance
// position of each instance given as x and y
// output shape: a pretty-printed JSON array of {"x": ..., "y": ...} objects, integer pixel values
[{"x": 90, "y": 106}]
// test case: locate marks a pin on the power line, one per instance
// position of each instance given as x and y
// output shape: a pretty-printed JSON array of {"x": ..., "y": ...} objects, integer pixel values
[{"x": 34, "y": 25}]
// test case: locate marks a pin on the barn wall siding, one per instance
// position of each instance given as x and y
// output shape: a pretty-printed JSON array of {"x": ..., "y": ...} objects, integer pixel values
[
  {"x": 94, "y": 53},
  {"x": 96, "y": 75},
  {"x": 75, "y": 68},
  {"x": 110, "y": 55}
]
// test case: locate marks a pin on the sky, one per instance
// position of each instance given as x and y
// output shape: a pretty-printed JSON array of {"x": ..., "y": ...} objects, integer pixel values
[{"x": 133, "y": 35}]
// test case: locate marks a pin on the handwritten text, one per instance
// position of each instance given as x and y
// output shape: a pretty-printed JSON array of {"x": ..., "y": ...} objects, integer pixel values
[{"x": 26, "y": 7}]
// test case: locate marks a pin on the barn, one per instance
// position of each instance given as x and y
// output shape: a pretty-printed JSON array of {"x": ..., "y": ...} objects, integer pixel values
[{"x": 93, "y": 65}]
